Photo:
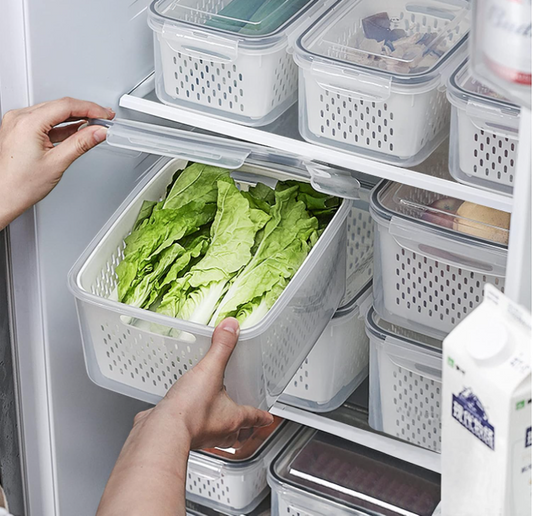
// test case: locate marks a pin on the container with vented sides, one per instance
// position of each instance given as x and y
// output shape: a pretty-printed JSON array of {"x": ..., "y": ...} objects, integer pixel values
[
  {"x": 123, "y": 354},
  {"x": 483, "y": 135},
  {"x": 405, "y": 383},
  {"x": 338, "y": 362},
  {"x": 236, "y": 485},
  {"x": 318, "y": 474},
  {"x": 229, "y": 58},
  {"x": 373, "y": 76},
  {"x": 431, "y": 264}
]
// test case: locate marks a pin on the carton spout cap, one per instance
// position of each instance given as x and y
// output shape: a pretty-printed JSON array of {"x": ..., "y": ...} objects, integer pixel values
[{"x": 490, "y": 344}]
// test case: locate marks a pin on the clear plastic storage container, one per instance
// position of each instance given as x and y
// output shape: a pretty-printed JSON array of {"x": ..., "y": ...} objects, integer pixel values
[
  {"x": 196, "y": 509},
  {"x": 229, "y": 58},
  {"x": 483, "y": 134},
  {"x": 121, "y": 351},
  {"x": 432, "y": 256},
  {"x": 234, "y": 482},
  {"x": 338, "y": 362},
  {"x": 318, "y": 474},
  {"x": 405, "y": 383},
  {"x": 373, "y": 76}
]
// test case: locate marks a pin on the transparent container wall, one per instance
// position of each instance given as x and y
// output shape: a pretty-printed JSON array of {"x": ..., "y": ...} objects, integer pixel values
[
  {"x": 142, "y": 353},
  {"x": 343, "y": 478},
  {"x": 501, "y": 47}
]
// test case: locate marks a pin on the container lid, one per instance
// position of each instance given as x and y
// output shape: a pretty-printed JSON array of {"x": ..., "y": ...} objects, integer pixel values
[
  {"x": 248, "y": 19},
  {"x": 464, "y": 86},
  {"x": 459, "y": 219},
  {"x": 351, "y": 476},
  {"x": 385, "y": 330},
  {"x": 249, "y": 445},
  {"x": 399, "y": 38}
]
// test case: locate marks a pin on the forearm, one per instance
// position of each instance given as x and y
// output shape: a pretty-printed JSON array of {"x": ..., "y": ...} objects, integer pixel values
[{"x": 149, "y": 476}]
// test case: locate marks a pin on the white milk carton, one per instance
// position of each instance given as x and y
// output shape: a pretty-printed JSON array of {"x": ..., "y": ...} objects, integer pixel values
[{"x": 486, "y": 412}]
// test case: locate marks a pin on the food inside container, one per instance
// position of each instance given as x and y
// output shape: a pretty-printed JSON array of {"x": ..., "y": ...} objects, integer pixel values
[
  {"x": 244, "y": 17},
  {"x": 250, "y": 443},
  {"x": 455, "y": 215},
  {"x": 397, "y": 37},
  {"x": 209, "y": 250},
  {"x": 320, "y": 470}
]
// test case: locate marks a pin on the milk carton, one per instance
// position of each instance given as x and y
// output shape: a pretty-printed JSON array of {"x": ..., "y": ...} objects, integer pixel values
[{"x": 486, "y": 412}]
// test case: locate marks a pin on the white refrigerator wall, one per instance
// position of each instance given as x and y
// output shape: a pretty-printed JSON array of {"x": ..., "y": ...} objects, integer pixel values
[{"x": 72, "y": 430}]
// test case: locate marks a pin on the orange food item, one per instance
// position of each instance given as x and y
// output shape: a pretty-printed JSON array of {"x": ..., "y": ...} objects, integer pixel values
[{"x": 248, "y": 444}]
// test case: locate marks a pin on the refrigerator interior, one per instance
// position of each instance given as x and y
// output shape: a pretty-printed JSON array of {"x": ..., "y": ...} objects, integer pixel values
[{"x": 71, "y": 429}]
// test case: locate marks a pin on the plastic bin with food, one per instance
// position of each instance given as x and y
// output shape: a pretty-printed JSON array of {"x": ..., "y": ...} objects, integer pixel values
[
  {"x": 318, "y": 474},
  {"x": 373, "y": 76},
  {"x": 233, "y": 481},
  {"x": 433, "y": 255}
]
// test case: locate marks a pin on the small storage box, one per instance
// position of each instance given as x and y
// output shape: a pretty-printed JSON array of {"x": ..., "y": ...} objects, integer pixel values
[
  {"x": 121, "y": 351},
  {"x": 338, "y": 362},
  {"x": 431, "y": 262},
  {"x": 196, "y": 509},
  {"x": 318, "y": 474},
  {"x": 405, "y": 383},
  {"x": 373, "y": 75},
  {"x": 233, "y": 481},
  {"x": 483, "y": 135},
  {"x": 229, "y": 58}
]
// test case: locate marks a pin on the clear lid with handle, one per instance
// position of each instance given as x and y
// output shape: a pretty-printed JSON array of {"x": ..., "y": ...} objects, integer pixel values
[
  {"x": 354, "y": 478},
  {"x": 247, "y": 19},
  {"x": 399, "y": 38}
]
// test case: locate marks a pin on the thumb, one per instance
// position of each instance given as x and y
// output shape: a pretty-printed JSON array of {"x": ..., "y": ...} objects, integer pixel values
[
  {"x": 77, "y": 145},
  {"x": 223, "y": 343}
]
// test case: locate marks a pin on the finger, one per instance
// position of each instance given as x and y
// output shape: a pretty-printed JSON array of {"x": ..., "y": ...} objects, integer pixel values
[
  {"x": 76, "y": 145},
  {"x": 58, "y": 111},
  {"x": 59, "y": 134},
  {"x": 254, "y": 418},
  {"x": 223, "y": 343}
]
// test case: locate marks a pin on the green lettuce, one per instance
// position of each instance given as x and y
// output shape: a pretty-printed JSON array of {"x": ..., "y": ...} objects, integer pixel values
[{"x": 195, "y": 296}]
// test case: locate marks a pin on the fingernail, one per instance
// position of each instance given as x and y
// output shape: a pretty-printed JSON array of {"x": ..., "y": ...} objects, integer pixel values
[
  {"x": 111, "y": 112},
  {"x": 100, "y": 134},
  {"x": 230, "y": 325}
]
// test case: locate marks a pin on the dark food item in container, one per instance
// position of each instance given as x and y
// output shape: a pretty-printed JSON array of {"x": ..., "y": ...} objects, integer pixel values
[
  {"x": 388, "y": 487},
  {"x": 249, "y": 444}
]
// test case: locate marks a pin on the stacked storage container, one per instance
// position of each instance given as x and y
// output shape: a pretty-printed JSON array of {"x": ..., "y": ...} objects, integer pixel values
[
  {"x": 483, "y": 134},
  {"x": 338, "y": 362},
  {"x": 405, "y": 383},
  {"x": 322, "y": 475},
  {"x": 229, "y": 58},
  {"x": 233, "y": 480},
  {"x": 373, "y": 76},
  {"x": 432, "y": 257}
]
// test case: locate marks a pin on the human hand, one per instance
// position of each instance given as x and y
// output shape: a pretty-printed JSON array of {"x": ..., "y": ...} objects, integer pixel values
[
  {"x": 199, "y": 404},
  {"x": 150, "y": 473},
  {"x": 30, "y": 164}
]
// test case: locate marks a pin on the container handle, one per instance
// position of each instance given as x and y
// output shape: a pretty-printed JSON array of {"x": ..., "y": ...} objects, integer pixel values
[
  {"x": 432, "y": 371},
  {"x": 350, "y": 83},
  {"x": 499, "y": 121},
  {"x": 446, "y": 250},
  {"x": 333, "y": 181},
  {"x": 200, "y": 44},
  {"x": 175, "y": 143},
  {"x": 203, "y": 469}
]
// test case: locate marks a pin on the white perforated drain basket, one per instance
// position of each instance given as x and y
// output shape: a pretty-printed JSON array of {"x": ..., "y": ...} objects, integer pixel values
[
  {"x": 234, "y": 487},
  {"x": 405, "y": 383},
  {"x": 123, "y": 355},
  {"x": 378, "y": 109},
  {"x": 426, "y": 277},
  {"x": 247, "y": 77},
  {"x": 483, "y": 136},
  {"x": 338, "y": 362}
]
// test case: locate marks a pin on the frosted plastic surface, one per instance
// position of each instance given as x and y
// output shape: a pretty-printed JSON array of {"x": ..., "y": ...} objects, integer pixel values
[{"x": 123, "y": 355}]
